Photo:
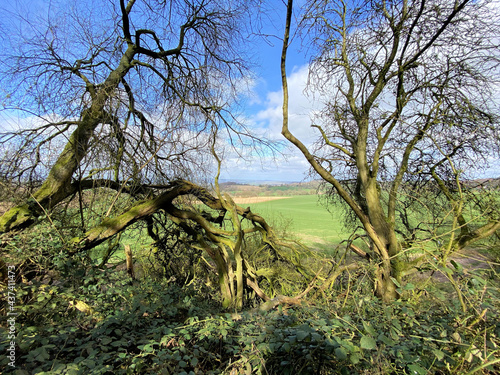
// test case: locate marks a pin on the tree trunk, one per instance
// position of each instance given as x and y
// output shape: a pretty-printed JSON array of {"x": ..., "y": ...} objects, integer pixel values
[
  {"x": 385, "y": 289},
  {"x": 3, "y": 271},
  {"x": 130, "y": 262},
  {"x": 57, "y": 186},
  {"x": 390, "y": 266}
]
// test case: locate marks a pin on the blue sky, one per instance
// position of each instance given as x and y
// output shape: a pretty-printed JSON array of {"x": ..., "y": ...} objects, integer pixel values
[
  {"x": 262, "y": 108},
  {"x": 264, "y": 111}
]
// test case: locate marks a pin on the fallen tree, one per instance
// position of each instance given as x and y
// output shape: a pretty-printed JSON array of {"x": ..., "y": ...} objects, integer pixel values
[
  {"x": 136, "y": 102},
  {"x": 130, "y": 105},
  {"x": 224, "y": 246}
]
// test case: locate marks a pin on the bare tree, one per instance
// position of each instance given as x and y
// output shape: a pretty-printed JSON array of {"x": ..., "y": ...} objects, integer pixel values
[
  {"x": 128, "y": 99},
  {"x": 410, "y": 102},
  {"x": 129, "y": 90}
]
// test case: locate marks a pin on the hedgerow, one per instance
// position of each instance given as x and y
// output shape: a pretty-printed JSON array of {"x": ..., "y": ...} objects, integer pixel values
[
  {"x": 104, "y": 323},
  {"x": 76, "y": 317}
]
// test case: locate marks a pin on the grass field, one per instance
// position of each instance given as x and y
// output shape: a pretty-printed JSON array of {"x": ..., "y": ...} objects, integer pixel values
[{"x": 305, "y": 218}]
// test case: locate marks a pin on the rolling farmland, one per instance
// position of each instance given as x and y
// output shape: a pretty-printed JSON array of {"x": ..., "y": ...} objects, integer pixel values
[{"x": 305, "y": 217}]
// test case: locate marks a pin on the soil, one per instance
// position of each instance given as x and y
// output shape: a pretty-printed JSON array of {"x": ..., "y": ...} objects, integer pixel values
[
  {"x": 469, "y": 259},
  {"x": 249, "y": 200}
]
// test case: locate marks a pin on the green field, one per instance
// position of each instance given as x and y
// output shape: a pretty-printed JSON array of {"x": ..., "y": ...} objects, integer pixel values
[{"x": 304, "y": 217}]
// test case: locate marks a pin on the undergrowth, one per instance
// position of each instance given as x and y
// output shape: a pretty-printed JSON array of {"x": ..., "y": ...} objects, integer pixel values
[{"x": 78, "y": 318}]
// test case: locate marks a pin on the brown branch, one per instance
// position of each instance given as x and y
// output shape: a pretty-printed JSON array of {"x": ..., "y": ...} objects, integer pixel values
[
  {"x": 257, "y": 290},
  {"x": 112, "y": 226},
  {"x": 486, "y": 230},
  {"x": 360, "y": 252},
  {"x": 211, "y": 237},
  {"x": 331, "y": 278},
  {"x": 280, "y": 299},
  {"x": 130, "y": 262},
  {"x": 276, "y": 301}
]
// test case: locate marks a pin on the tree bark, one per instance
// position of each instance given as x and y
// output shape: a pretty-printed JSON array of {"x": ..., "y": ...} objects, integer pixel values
[
  {"x": 373, "y": 222},
  {"x": 57, "y": 186},
  {"x": 130, "y": 262}
]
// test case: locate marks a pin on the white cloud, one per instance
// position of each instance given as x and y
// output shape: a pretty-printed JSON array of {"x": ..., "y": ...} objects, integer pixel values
[
  {"x": 301, "y": 106},
  {"x": 268, "y": 123},
  {"x": 291, "y": 169}
]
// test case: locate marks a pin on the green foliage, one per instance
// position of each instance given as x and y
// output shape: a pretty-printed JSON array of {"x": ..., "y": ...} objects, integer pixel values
[
  {"x": 77, "y": 318},
  {"x": 156, "y": 327},
  {"x": 98, "y": 321}
]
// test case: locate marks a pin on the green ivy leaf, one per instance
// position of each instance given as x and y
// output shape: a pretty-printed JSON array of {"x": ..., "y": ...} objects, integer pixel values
[
  {"x": 368, "y": 343},
  {"x": 341, "y": 353},
  {"x": 386, "y": 340},
  {"x": 89, "y": 363},
  {"x": 457, "y": 266},
  {"x": 417, "y": 370},
  {"x": 316, "y": 336},
  {"x": 355, "y": 358},
  {"x": 409, "y": 286},
  {"x": 396, "y": 282},
  {"x": 106, "y": 340},
  {"x": 439, "y": 354},
  {"x": 369, "y": 328},
  {"x": 301, "y": 335}
]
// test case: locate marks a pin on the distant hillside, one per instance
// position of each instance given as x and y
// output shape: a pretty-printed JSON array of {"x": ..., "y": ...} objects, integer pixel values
[
  {"x": 489, "y": 183},
  {"x": 271, "y": 189},
  {"x": 283, "y": 189}
]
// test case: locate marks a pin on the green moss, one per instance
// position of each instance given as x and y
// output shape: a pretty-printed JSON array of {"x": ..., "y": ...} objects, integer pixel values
[
  {"x": 16, "y": 217},
  {"x": 111, "y": 226}
]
